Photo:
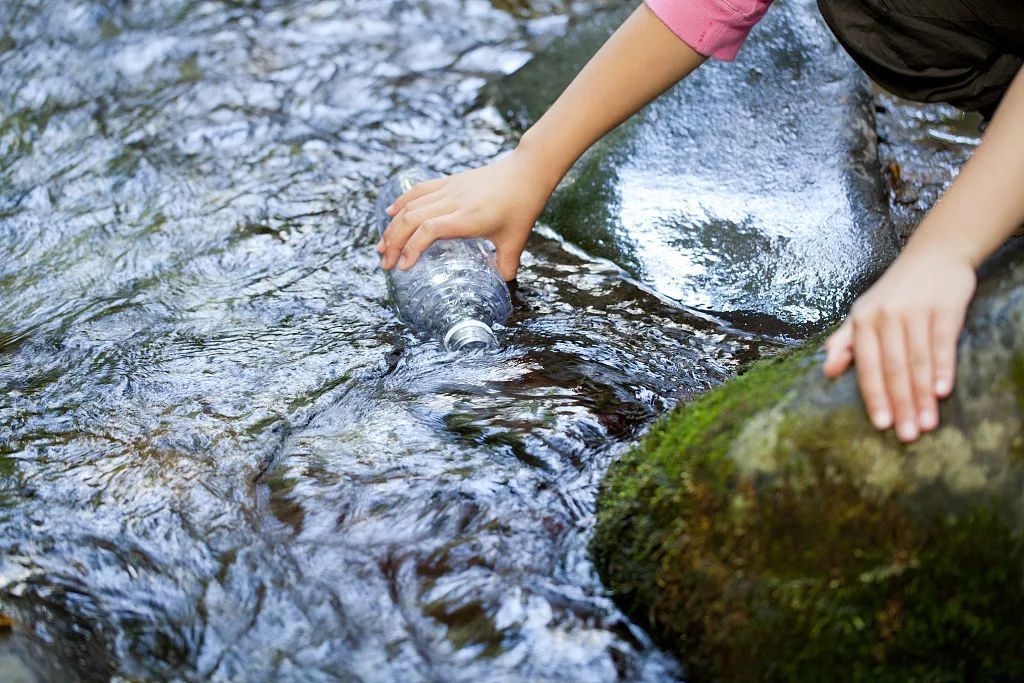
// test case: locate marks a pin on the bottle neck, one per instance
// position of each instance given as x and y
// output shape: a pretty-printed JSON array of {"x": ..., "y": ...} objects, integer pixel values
[{"x": 469, "y": 334}]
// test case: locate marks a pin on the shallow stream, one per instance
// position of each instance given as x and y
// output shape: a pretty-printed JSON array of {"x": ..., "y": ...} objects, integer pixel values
[{"x": 222, "y": 457}]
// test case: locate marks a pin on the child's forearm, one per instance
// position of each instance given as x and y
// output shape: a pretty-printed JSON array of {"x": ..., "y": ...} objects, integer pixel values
[
  {"x": 639, "y": 62},
  {"x": 502, "y": 200},
  {"x": 986, "y": 202}
]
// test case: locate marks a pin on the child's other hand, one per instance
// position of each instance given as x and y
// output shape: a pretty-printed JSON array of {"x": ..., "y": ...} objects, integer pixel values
[
  {"x": 500, "y": 201},
  {"x": 902, "y": 334}
]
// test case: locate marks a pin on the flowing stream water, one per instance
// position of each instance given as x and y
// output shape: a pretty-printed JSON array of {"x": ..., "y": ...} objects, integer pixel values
[{"x": 222, "y": 457}]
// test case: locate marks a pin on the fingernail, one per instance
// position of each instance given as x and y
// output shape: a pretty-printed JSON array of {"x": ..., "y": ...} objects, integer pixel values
[
  {"x": 402, "y": 261},
  {"x": 907, "y": 431},
  {"x": 380, "y": 246},
  {"x": 941, "y": 386},
  {"x": 927, "y": 419},
  {"x": 882, "y": 419},
  {"x": 390, "y": 209}
]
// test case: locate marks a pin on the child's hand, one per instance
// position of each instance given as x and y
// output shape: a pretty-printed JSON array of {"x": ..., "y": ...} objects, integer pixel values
[
  {"x": 500, "y": 201},
  {"x": 902, "y": 332},
  {"x": 902, "y": 335}
]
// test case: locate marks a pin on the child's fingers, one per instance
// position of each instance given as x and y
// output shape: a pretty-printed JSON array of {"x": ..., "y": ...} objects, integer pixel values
[
  {"x": 944, "y": 334},
  {"x": 439, "y": 227},
  {"x": 896, "y": 367},
  {"x": 919, "y": 351},
  {"x": 839, "y": 350},
  {"x": 406, "y": 224},
  {"x": 869, "y": 374},
  {"x": 398, "y": 229},
  {"x": 413, "y": 193}
]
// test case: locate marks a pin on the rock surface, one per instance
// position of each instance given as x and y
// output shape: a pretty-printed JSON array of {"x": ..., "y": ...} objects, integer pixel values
[
  {"x": 921, "y": 149},
  {"x": 766, "y": 531},
  {"x": 750, "y": 188}
]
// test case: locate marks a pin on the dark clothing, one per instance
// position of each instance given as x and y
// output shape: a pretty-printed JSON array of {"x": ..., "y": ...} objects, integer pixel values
[{"x": 964, "y": 52}]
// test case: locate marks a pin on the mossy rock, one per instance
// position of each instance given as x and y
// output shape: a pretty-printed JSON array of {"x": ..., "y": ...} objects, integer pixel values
[
  {"x": 767, "y": 532},
  {"x": 751, "y": 189}
]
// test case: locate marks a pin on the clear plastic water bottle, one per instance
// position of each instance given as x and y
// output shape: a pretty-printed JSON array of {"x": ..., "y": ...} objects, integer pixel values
[{"x": 453, "y": 291}]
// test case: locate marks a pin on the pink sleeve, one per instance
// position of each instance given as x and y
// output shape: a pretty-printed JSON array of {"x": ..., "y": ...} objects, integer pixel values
[{"x": 714, "y": 28}]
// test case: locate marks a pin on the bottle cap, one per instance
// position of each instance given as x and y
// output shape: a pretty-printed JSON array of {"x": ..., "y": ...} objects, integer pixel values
[{"x": 471, "y": 334}]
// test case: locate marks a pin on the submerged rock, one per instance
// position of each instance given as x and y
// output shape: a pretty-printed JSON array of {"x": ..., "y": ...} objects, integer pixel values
[
  {"x": 766, "y": 531},
  {"x": 749, "y": 188}
]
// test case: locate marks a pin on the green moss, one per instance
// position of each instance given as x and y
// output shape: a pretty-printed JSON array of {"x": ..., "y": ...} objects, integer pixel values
[
  {"x": 759, "y": 546},
  {"x": 648, "y": 494},
  {"x": 1016, "y": 376}
]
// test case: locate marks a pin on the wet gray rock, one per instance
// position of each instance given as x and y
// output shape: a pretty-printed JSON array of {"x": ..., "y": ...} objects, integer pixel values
[
  {"x": 767, "y": 527},
  {"x": 750, "y": 188},
  {"x": 921, "y": 149}
]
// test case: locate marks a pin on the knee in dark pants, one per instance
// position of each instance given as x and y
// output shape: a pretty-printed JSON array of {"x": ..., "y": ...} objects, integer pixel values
[{"x": 964, "y": 53}]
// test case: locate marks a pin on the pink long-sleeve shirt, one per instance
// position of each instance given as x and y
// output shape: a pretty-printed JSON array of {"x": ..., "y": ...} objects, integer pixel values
[{"x": 714, "y": 28}]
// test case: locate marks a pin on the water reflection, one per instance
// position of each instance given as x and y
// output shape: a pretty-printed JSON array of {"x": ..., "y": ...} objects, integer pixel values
[{"x": 221, "y": 456}]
